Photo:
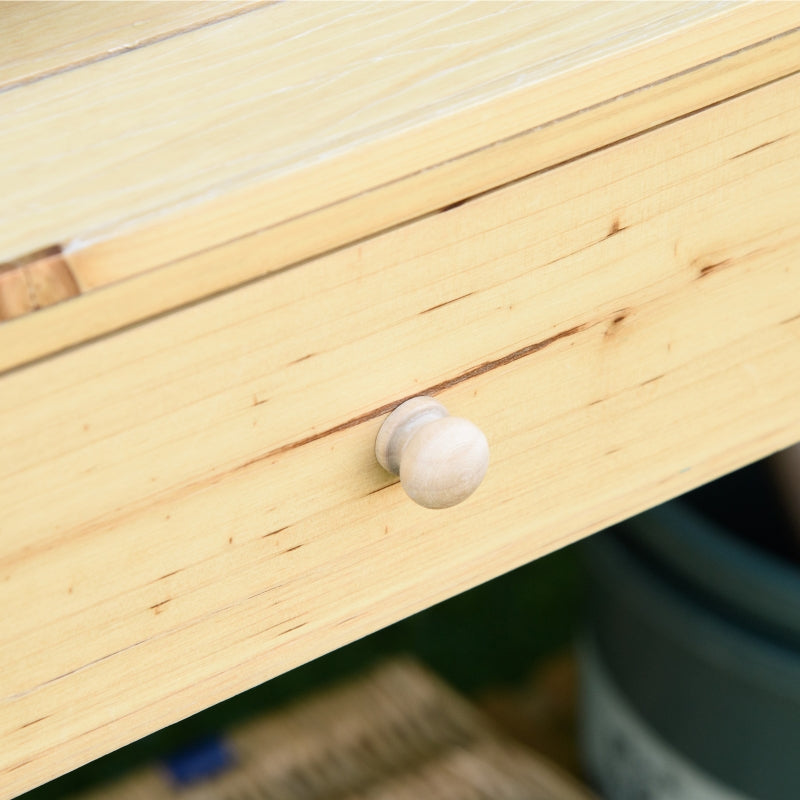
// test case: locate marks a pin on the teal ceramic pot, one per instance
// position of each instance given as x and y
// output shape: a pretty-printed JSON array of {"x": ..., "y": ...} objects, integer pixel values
[{"x": 690, "y": 663}]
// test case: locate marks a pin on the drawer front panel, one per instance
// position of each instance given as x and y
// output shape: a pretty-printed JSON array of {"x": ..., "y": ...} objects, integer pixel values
[{"x": 192, "y": 506}]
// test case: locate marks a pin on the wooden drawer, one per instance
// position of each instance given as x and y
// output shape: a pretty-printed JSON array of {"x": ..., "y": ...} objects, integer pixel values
[{"x": 191, "y": 505}]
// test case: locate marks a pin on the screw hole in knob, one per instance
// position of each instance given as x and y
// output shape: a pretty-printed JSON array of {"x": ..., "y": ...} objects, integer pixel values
[{"x": 441, "y": 460}]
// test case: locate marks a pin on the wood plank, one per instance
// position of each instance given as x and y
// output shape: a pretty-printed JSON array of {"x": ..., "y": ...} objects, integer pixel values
[
  {"x": 304, "y": 174},
  {"x": 192, "y": 506},
  {"x": 42, "y": 39},
  {"x": 274, "y": 91}
]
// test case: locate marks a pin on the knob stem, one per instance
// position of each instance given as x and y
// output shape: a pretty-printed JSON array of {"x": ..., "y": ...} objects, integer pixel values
[{"x": 400, "y": 426}]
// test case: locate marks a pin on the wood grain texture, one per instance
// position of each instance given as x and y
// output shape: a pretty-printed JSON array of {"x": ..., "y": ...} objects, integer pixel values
[
  {"x": 42, "y": 39},
  {"x": 256, "y": 146},
  {"x": 192, "y": 506}
]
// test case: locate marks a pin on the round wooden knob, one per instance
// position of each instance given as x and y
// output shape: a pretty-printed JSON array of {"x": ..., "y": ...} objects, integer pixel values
[{"x": 440, "y": 459}]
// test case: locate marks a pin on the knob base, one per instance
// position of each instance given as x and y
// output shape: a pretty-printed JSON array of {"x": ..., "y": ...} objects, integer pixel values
[{"x": 401, "y": 425}]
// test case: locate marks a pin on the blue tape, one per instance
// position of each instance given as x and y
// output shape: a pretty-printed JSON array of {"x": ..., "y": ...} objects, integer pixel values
[{"x": 200, "y": 760}]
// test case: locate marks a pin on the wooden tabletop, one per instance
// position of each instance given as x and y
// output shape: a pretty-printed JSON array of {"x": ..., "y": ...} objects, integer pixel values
[{"x": 147, "y": 144}]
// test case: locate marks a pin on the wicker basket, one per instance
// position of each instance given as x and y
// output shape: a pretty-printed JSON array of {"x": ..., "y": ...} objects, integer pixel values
[{"x": 397, "y": 734}]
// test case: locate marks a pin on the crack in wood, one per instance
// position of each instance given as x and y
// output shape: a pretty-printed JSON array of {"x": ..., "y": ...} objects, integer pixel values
[
  {"x": 759, "y": 147},
  {"x": 434, "y": 389},
  {"x": 446, "y": 303},
  {"x": 33, "y": 722},
  {"x": 714, "y": 266},
  {"x": 158, "y": 607}
]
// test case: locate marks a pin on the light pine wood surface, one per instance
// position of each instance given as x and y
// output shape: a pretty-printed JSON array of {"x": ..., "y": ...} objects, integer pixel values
[
  {"x": 210, "y": 158},
  {"x": 192, "y": 506},
  {"x": 43, "y": 39}
]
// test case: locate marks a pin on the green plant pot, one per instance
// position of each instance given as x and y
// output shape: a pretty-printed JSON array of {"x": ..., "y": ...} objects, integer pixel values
[{"x": 690, "y": 663}]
